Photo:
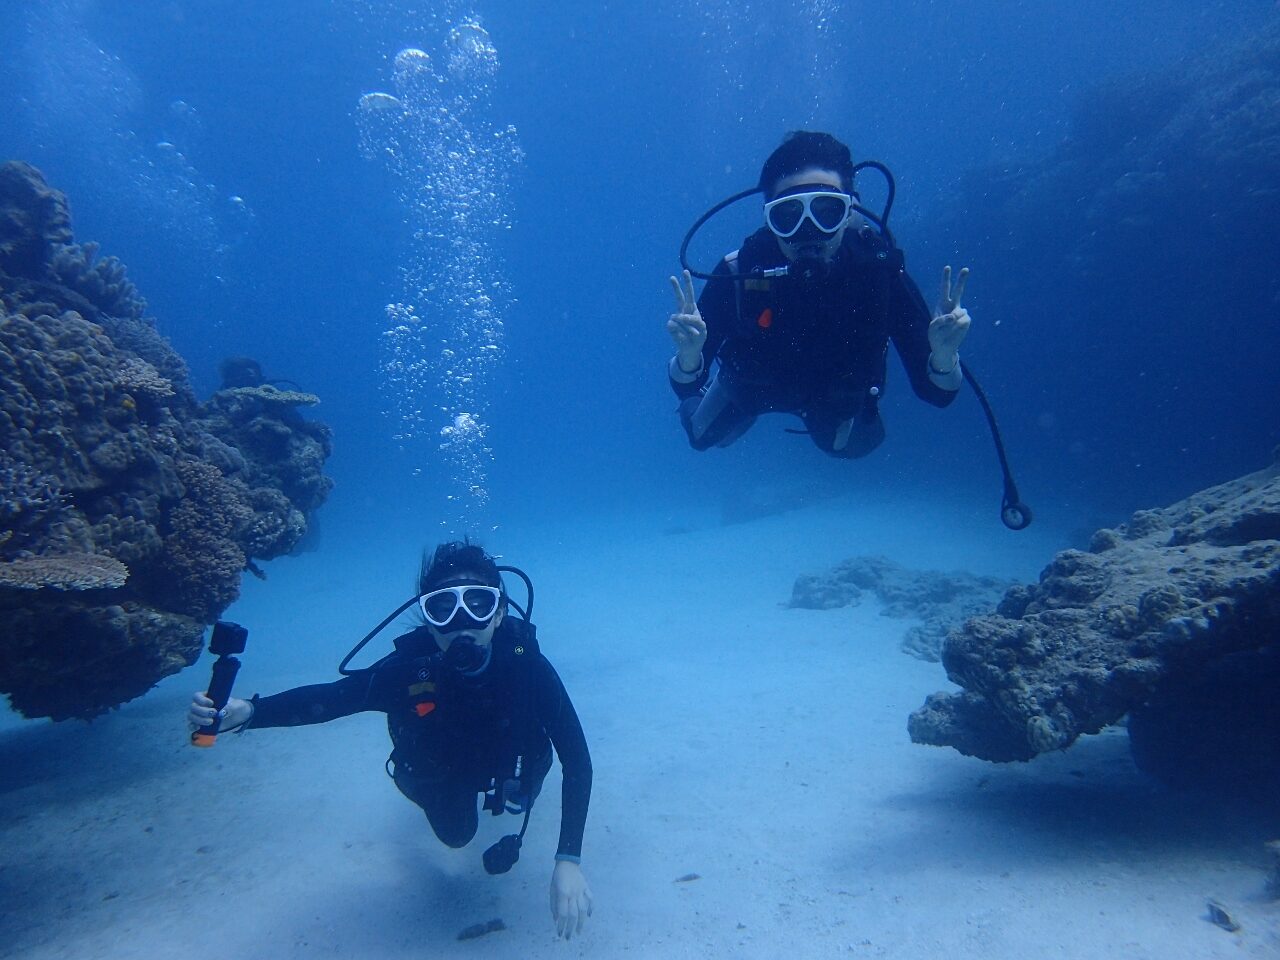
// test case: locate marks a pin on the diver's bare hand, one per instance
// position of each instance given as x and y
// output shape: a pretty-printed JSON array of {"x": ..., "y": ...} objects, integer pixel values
[
  {"x": 201, "y": 713},
  {"x": 950, "y": 324},
  {"x": 570, "y": 898},
  {"x": 686, "y": 326}
]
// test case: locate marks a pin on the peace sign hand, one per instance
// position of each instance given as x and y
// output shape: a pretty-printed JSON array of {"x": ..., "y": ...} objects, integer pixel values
[
  {"x": 950, "y": 299},
  {"x": 950, "y": 324},
  {"x": 686, "y": 326}
]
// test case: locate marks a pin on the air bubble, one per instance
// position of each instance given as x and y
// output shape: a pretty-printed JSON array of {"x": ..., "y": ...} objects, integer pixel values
[{"x": 452, "y": 167}]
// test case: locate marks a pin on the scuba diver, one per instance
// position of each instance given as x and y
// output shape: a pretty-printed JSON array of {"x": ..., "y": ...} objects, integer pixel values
[
  {"x": 247, "y": 372},
  {"x": 472, "y": 707},
  {"x": 800, "y": 317}
]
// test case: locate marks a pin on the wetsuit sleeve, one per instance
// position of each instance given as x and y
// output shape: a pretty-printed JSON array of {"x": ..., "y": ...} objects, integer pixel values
[
  {"x": 317, "y": 703},
  {"x": 718, "y": 305},
  {"x": 909, "y": 329},
  {"x": 560, "y": 720}
]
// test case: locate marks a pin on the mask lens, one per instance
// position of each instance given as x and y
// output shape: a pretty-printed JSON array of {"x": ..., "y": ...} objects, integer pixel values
[
  {"x": 439, "y": 607},
  {"x": 479, "y": 601},
  {"x": 829, "y": 211},
  {"x": 785, "y": 216}
]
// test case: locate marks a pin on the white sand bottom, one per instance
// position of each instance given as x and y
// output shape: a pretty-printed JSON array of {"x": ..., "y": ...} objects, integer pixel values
[{"x": 763, "y": 749}]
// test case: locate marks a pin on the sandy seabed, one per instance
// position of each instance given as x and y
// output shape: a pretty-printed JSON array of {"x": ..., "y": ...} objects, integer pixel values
[{"x": 761, "y": 748}]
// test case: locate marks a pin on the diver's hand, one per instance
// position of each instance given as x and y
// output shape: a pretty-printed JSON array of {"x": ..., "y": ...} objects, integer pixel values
[
  {"x": 950, "y": 324},
  {"x": 235, "y": 714},
  {"x": 686, "y": 326},
  {"x": 570, "y": 898}
]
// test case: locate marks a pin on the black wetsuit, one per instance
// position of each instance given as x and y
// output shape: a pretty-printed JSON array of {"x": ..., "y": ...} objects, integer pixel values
[
  {"x": 815, "y": 348},
  {"x": 457, "y": 736}
]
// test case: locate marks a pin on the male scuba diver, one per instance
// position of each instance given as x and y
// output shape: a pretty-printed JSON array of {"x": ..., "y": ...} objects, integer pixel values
[
  {"x": 472, "y": 706},
  {"x": 801, "y": 316}
]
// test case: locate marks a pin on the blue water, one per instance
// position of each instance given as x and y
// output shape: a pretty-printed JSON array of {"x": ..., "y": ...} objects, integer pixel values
[
  {"x": 632, "y": 122},
  {"x": 216, "y": 149}
]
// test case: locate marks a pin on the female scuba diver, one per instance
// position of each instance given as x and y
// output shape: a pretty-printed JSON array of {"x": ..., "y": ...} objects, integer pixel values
[{"x": 472, "y": 707}]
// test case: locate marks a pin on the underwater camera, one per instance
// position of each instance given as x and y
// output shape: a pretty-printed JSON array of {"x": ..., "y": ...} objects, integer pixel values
[{"x": 227, "y": 640}]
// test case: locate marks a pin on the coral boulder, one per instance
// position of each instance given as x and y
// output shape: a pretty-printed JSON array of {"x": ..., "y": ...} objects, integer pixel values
[{"x": 1172, "y": 620}]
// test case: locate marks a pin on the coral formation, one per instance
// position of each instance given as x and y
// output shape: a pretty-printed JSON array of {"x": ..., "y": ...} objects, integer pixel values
[
  {"x": 138, "y": 376},
  {"x": 265, "y": 395},
  {"x": 128, "y": 509},
  {"x": 68, "y": 571},
  {"x": 940, "y": 600},
  {"x": 1171, "y": 619}
]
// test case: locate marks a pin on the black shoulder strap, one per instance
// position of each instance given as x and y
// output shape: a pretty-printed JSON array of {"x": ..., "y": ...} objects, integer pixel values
[
  {"x": 882, "y": 248},
  {"x": 523, "y": 637},
  {"x": 732, "y": 262}
]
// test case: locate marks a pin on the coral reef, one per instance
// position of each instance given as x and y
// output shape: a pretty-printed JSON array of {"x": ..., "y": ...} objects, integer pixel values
[
  {"x": 283, "y": 454},
  {"x": 940, "y": 600},
  {"x": 1171, "y": 619},
  {"x": 128, "y": 509}
]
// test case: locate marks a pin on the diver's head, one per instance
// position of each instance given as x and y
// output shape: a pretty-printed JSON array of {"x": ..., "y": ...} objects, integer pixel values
[
  {"x": 808, "y": 189},
  {"x": 240, "y": 372},
  {"x": 462, "y": 600}
]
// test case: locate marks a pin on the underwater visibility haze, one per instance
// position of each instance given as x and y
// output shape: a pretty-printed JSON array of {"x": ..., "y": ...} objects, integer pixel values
[{"x": 345, "y": 280}]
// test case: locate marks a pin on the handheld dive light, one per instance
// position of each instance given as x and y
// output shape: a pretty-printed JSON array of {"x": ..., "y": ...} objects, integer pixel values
[{"x": 227, "y": 640}]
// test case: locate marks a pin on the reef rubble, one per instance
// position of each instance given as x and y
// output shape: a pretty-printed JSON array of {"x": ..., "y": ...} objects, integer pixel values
[
  {"x": 939, "y": 600},
  {"x": 1169, "y": 621},
  {"x": 129, "y": 510}
]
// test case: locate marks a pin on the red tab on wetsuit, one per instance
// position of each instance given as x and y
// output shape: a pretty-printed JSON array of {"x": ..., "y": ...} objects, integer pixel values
[{"x": 422, "y": 709}]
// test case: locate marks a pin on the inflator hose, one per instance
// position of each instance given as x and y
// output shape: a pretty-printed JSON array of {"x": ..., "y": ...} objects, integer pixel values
[{"x": 1014, "y": 514}]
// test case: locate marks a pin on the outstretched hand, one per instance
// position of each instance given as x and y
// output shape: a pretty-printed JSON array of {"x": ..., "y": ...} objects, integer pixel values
[
  {"x": 570, "y": 898},
  {"x": 950, "y": 324},
  {"x": 686, "y": 326}
]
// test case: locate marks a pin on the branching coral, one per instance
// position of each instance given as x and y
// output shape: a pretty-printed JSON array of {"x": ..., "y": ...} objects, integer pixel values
[
  {"x": 100, "y": 281},
  {"x": 26, "y": 493},
  {"x": 137, "y": 376}
]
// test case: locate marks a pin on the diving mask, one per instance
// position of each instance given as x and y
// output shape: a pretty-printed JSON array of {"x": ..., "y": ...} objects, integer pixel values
[
  {"x": 479, "y": 602},
  {"x": 828, "y": 210}
]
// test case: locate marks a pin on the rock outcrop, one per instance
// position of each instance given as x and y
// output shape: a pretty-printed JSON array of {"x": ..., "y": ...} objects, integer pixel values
[
  {"x": 1171, "y": 619},
  {"x": 128, "y": 509}
]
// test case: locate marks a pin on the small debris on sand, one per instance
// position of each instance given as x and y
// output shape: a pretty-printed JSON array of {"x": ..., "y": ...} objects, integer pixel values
[
  {"x": 1218, "y": 915},
  {"x": 480, "y": 929}
]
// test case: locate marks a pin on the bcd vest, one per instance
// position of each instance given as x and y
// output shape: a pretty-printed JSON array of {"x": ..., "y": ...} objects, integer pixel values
[
  {"x": 797, "y": 342},
  {"x": 482, "y": 728}
]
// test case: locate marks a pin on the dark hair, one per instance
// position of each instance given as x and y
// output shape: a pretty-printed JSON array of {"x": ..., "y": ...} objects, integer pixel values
[
  {"x": 454, "y": 559},
  {"x": 802, "y": 149}
]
